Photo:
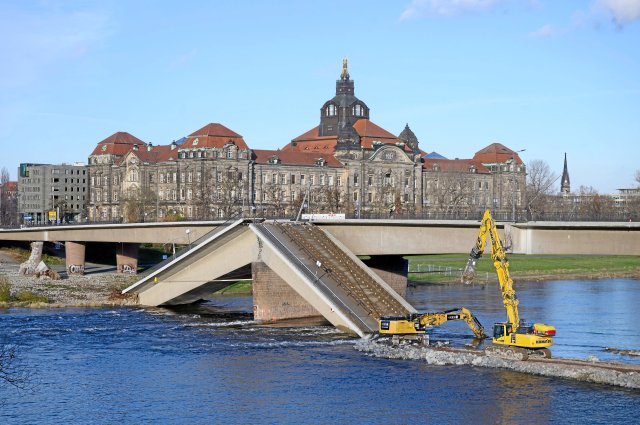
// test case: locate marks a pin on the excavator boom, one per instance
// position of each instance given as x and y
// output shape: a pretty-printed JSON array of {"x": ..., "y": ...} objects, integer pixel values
[
  {"x": 418, "y": 323},
  {"x": 519, "y": 340}
]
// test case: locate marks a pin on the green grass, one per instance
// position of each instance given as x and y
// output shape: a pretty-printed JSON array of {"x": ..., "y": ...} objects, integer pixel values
[
  {"x": 529, "y": 266},
  {"x": 22, "y": 297},
  {"x": 239, "y": 288}
]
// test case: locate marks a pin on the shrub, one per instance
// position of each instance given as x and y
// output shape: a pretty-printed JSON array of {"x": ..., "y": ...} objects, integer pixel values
[
  {"x": 32, "y": 297},
  {"x": 5, "y": 289}
]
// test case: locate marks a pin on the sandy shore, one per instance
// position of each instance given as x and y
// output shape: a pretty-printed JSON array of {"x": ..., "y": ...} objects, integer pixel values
[{"x": 99, "y": 287}]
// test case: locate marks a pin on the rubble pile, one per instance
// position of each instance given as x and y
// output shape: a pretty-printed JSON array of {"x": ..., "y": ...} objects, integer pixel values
[{"x": 588, "y": 371}]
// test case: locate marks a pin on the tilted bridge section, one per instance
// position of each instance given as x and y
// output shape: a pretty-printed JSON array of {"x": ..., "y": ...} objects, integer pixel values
[{"x": 318, "y": 267}]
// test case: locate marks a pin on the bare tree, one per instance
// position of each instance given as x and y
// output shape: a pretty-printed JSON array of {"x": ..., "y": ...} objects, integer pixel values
[
  {"x": 540, "y": 178},
  {"x": 5, "y": 207},
  {"x": 12, "y": 370},
  {"x": 594, "y": 206},
  {"x": 637, "y": 178},
  {"x": 137, "y": 204},
  {"x": 451, "y": 194},
  {"x": 275, "y": 198}
]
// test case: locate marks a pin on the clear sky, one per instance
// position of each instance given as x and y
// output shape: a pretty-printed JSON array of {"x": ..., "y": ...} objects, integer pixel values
[{"x": 547, "y": 76}]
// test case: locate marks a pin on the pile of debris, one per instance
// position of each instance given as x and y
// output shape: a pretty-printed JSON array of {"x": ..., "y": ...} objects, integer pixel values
[{"x": 589, "y": 371}]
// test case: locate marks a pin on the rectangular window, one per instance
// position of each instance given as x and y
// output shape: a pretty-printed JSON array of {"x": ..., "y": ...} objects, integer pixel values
[
  {"x": 311, "y": 180},
  {"x": 355, "y": 196},
  {"x": 355, "y": 179},
  {"x": 274, "y": 178},
  {"x": 293, "y": 179},
  {"x": 330, "y": 180},
  {"x": 339, "y": 180},
  {"x": 302, "y": 179}
]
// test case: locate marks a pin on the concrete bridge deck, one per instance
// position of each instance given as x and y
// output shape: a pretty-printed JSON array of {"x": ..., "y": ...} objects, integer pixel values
[{"x": 379, "y": 237}]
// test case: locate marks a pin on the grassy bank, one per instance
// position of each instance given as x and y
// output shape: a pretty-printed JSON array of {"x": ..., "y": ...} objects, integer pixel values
[
  {"x": 447, "y": 268},
  {"x": 242, "y": 287}
]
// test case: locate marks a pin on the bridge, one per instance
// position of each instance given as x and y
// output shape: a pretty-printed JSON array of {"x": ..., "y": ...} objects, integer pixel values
[{"x": 313, "y": 270}]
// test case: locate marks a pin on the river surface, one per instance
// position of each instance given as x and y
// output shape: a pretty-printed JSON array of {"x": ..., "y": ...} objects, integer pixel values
[{"x": 212, "y": 364}]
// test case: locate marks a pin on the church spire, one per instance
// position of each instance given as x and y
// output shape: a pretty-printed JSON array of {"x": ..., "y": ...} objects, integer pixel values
[
  {"x": 565, "y": 185},
  {"x": 345, "y": 70}
]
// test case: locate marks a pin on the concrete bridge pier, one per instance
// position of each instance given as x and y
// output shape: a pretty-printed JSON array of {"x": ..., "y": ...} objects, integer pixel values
[
  {"x": 393, "y": 269},
  {"x": 127, "y": 257},
  {"x": 274, "y": 299},
  {"x": 74, "y": 253}
]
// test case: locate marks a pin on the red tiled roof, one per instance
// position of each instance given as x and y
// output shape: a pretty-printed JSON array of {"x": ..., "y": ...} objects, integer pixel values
[
  {"x": 366, "y": 129},
  {"x": 213, "y": 135},
  {"x": 291, "y": 157},
  {"x": 496, "y": 153},
  {"x": 9, "y": 186},
  {"x": 455, "y": 165},
  {"x": 162, "y": 153},
  {"x": 117, "y": 144}
]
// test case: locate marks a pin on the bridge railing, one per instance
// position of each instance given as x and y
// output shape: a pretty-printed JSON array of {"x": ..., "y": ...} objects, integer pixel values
[{"x": 190, "y": 246}]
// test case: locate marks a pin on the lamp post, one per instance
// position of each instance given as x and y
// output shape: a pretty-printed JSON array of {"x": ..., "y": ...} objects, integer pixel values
[{"x": 513, "y": 184}]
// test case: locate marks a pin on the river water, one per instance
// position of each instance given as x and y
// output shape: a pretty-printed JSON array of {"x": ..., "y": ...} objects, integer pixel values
[{"x": 213, "y": 364}]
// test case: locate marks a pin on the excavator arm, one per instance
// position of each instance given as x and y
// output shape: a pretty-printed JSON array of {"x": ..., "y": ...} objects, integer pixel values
[
  {"x": 437, "y": 319},
  {"x": 501, "y": 264},
  {"x": 417, "y": 323}
]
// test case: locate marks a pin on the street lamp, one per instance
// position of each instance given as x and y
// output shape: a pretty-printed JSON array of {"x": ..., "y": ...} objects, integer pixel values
[{"x": 513, "y": 184}]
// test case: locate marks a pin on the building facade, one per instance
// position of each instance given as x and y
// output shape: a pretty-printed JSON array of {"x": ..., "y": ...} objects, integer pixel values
[
  {"x": 346, "y": 164},
  {"x": 49, "y": 194}
]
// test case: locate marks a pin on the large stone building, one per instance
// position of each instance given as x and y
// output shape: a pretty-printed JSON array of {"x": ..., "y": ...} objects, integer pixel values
[
  {"x": 346, "y": 164},
  {"x": 52, "y": 193}
]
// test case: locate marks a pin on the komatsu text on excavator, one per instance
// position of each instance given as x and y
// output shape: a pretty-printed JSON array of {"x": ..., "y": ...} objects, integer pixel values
[
  {"x": 413, "y": 327},
  {"x": 513, "y": 338}
]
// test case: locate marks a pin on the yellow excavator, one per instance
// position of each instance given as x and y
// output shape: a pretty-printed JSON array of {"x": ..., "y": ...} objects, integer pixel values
[
  {"x": 513, "y": 338},
  {"x": 413, "y": 327}
]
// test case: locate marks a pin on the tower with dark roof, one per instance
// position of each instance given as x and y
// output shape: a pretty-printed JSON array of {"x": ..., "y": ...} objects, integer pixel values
[
  {"x": 338, "y": 115},
  {"x": 409, "y": 138},
  {"x": 565, "y": 185}
]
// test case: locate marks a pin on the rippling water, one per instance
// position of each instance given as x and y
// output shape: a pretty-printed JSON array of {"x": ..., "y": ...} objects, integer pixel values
[{"x": 212, "y": 363}]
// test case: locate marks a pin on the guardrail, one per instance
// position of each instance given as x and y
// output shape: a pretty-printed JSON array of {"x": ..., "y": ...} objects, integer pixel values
[{"x": 190, "y": 246}]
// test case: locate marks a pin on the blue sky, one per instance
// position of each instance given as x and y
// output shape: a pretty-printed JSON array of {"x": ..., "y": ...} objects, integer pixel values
[{"x": 546, "y": 76}]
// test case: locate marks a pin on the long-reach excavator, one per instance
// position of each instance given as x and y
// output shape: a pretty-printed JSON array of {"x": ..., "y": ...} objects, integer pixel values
[
  {"x": 413, "y": 327},
  {"x": 513, "y": 338}
]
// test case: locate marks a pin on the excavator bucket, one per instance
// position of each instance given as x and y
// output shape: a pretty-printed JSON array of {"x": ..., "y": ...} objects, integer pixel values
[{"x": 469, "y": 272}]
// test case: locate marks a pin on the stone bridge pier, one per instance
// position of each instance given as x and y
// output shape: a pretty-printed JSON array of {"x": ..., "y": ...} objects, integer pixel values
[
  {"x": 74, "y": 253},
  {"x": 127, "y": 257},
  {"x": 274, "y": 299}
]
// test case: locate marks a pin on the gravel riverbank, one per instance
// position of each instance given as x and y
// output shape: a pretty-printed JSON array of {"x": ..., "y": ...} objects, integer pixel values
[{"x": 100, "y": 286}]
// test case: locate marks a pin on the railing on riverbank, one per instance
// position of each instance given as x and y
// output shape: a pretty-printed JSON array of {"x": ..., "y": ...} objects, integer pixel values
[{"x": 421, "y": 272}]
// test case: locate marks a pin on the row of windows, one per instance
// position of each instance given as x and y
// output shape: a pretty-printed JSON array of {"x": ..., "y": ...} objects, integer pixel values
[
  {"x": 357, "y": 110},
  {"x": 67, "y": 171},
  {"x": 227, "y": 153},
  {"x": 313, "y": 180}
]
